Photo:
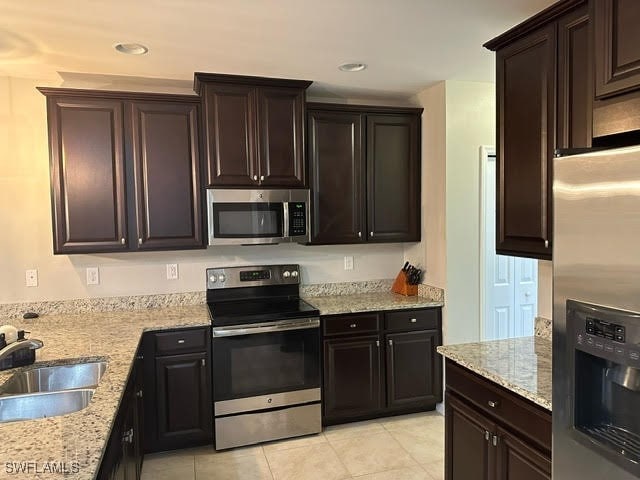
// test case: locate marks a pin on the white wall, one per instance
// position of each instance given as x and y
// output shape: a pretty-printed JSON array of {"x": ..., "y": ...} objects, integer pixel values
[
  {"x": 470, "y": 124},
  {"x": 25, "y": 230},
  {"x": 545, "y": 289}
]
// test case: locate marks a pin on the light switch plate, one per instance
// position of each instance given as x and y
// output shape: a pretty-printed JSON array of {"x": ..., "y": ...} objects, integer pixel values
[
  {"x": 172, "y": 271},
  {"x": 31, "y": 278},
  {"x": 348, "y": 262},
  {"x": 93, "y": 276}
]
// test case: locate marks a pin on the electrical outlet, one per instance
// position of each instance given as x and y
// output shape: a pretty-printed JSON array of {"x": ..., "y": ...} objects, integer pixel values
[
  {"x": 93, "y": 276},
  {"x": 31, "y": 278},
  {"x": 172, "y": 271},
  {"x": 348, "y": 263}
]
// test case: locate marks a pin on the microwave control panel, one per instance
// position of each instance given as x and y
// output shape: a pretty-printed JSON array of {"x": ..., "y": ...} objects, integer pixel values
[{"x": 297, "y": 219}]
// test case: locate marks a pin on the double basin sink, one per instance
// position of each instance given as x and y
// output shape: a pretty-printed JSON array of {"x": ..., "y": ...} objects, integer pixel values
[{"x": 49, "y": 391}]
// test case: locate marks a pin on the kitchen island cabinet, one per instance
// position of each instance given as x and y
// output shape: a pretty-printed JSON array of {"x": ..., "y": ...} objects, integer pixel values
[{"x": 497, "y": 410}]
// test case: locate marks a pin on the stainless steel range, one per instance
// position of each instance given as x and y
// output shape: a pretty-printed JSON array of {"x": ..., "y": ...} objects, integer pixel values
[{"x": 266, "y": 355}]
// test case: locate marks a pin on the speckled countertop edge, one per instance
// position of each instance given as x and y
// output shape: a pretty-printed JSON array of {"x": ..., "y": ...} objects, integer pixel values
[
  {"x": 369, "y": 302},
  {"x": 79, "y": 439},
  {"x": 522, "y": 365}
]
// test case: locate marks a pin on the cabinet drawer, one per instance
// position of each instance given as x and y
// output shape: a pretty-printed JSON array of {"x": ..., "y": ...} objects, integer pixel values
[
  {"x": 506, "y": 407},
  {"x": 181, "y": 341},
  {"x": 425, "y": 319},
  {"x": 350, "y": 324}
]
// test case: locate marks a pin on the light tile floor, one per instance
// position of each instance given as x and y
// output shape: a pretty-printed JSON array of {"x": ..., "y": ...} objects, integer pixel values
[{"x": 408, "y": 447}]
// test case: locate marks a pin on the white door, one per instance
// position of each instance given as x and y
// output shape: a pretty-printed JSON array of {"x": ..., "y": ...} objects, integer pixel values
[{"x": 510, "y": 284}]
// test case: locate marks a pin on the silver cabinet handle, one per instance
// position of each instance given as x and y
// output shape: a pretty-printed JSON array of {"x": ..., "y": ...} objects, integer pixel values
[
  {"x": 391, "y": 342},
  {"x": 546, "y": 244},
  {"x": 359, "y": 234},
  {"x": 203, "y": 362},
  {"x": 262, "y": 178},
  {"x": 371, "y": 234},
  {"x": 122, "y": 241},
  {"x": 139, "y": 241},
  {"x": 255, "y": 178},
  {"x": 181, "y": 341},
  {"x": 487, "y": 435},
  {"x": 353, "y": 325},
  {"x": 377, "y": 343},
  {"x": 494, "y": 441},
  {"x": 493, "y": 404},
  {"x": 127, "y": 437},
  {"x": 139, "y": 394},
  {"x": 413, "y": 320}
]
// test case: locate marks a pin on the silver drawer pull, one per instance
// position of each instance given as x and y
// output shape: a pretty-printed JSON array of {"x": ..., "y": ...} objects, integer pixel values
[
  {"x": 181, "y": 341},
  {"x": 486, "y": 435},
  {"x": 413, "y": 320},
  {"x": 353, "y": 325},
  {"x": 493, "y": 404},
  {"x": 494, "y": 441}
]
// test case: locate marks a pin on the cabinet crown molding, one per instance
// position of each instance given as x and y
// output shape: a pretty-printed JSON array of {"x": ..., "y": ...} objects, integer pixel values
[{"x": 201, "y": 78}]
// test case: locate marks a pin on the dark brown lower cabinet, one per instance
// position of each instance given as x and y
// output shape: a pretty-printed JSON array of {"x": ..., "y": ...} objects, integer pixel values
[
  {"x": 352, "y": 376},
  {"x": 372, "y": 370},
  {"x": 123, "y": 455},
  {"x": 412, "y": 375},
  {"x": 492, "y": 434},
  {"x": 178, "y": 409}
]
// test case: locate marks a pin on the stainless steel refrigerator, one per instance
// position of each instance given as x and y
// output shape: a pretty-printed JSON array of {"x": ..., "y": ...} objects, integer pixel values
[{"x": 596, "y": 315}]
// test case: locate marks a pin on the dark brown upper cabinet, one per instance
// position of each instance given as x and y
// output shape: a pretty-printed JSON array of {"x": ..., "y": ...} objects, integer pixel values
[
  {"x": 544, "y": 92},
  {"x": 254, "y": 130},
  {"x": 87, "y": 162},
  {"x": 617, "y": 67},
  {"x": 617, "y": 46},
  {"x": 167, "y": 175},
  {"x": 125, "y": 171},
  {"x": 371, "y": 155}
]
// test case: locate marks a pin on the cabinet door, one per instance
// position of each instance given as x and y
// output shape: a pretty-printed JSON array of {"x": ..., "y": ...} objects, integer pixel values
[
  {"x": 352, "y": 369},
  {"x": 337, "y": 177},
  {"x": 468, "y": 451},
  {"x": 518, "y": 461},
  {"x": 414, "y": 369},
  {"x": 526, "y": 138},
  {"x": 575, "y": 80},
  {"x": 87, "y": 175},
  {"x": 617, "y": 46},
  {"x": 183, "y": 396},
  {"x": 230, "y": 116},
  {"x": 167, "y": 175},
  {"x": 281, "y": 136},
  {"x": 393, "y": 178}
]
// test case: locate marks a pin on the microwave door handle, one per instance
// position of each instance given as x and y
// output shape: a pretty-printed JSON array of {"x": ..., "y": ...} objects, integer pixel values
[{"x": 285, "y": 219}]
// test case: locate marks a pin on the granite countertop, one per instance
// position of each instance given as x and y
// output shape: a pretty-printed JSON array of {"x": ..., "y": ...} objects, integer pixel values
[
  {"x": 368, "y": 302},
  {"x": 522, "y": 365},
  {"x": 82, "y": 436}
]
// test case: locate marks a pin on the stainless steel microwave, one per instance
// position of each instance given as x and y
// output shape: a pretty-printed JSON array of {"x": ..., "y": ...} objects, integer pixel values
[{"x": 253, "y": 217}]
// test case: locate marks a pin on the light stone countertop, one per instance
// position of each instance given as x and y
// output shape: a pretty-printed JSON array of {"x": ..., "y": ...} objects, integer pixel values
[
  {"x": 114, "y": 336},
  {"x": 522, "y": 365},
  {"x": 82, "y": 436},
  {"x": 368, "y": 302}
]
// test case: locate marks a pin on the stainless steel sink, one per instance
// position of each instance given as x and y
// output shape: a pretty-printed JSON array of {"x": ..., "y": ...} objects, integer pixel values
[
  {"x": 41, "y": 405},
  {"x": 55, "y": 379}
]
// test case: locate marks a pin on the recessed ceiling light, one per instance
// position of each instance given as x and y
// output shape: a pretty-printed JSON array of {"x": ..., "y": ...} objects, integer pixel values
[
  {"x": 352, "y": 67},
  {"x": 131, "y": 48}
]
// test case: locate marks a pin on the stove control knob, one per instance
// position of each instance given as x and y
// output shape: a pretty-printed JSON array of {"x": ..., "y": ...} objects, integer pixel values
[
  {"x": 213, "y": 279},
  {"x": 286, "y": 274},
  {"x": 221, "y": 278},
  {"x": 294, "y": 274}
]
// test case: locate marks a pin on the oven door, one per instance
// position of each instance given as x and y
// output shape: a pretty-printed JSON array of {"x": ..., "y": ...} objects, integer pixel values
[{"x": 280, "y": 360}]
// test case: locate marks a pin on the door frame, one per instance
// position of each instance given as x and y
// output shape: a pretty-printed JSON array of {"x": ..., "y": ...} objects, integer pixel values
[{"x": 485, "y": 151}]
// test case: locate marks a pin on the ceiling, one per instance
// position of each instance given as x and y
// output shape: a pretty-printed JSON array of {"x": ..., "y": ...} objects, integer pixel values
[{"x": 407, "y": 44}]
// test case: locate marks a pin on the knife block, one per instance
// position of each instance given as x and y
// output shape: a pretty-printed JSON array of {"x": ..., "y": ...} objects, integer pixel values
[{"x": 401, "y": 285}]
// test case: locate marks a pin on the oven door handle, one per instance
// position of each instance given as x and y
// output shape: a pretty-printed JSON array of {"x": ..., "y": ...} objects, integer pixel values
[{"x": 285, "y": 325}]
